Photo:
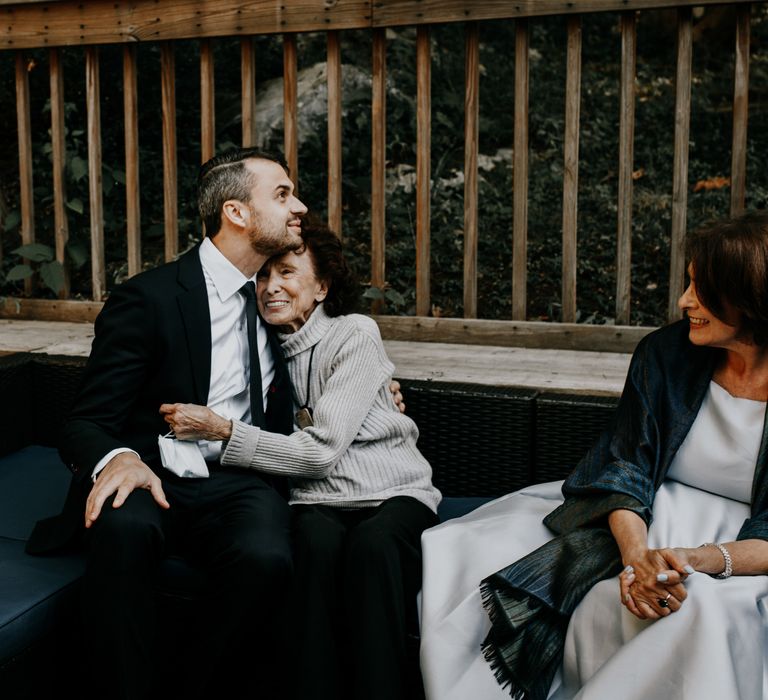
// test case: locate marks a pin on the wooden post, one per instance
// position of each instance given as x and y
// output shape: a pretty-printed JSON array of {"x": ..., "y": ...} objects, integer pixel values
[
  {"x": 290, "y": 106},
  {"x": 207, "y": 102},
  {"x": 248, "y": 90},
  {"x": 520, "y": 175},
  {"x": 170, "y": 168},
  {"x": 93, "y": 103},
  {"x": 423, "y": 168},
  {"x": 26, "y": 194},
  {"x": 132, "y": 197},
  {"x": 571, "y": 169},
  {"x": 378, "y": 162},
  {"x": 740, "y": 110},
  {"x": 680, "y": 164},
  {"x": 58, "y": 154},
  {"x": 471, "y": 138},
  {"x": 334, "y": 132},
  {"x": 626, "y": 157}
]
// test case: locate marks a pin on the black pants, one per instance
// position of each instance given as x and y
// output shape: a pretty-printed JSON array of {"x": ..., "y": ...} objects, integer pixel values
[
  {"x": 235, "y": 527},
  {"x": 357, "y": 574}
]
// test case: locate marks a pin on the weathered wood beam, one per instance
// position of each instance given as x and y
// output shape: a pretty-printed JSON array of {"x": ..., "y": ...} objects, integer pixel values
[
  {"x": 58, "y": 158},
  {"x": 83, "y": 22},
  {"x": 378, "y": 162},
  {"x": 95, "y": 188},
  {"x": 531, "y": 334},
  {"x": 520, "y": 173},
  {"x": 740, "y": 111},
  {"x": 471, "y": 149}
]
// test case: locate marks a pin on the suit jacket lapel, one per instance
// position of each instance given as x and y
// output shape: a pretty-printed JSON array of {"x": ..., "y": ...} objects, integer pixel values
[{"x": 196, "y": 318}]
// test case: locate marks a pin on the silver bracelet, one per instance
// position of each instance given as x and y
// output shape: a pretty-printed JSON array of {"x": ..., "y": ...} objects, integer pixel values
[{"x": 728, "y": 570}]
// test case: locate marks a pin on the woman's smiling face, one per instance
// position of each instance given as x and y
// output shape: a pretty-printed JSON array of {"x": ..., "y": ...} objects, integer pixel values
[
  {"x": 704, "y": 327},
  {"x": 288, "y": 290}
]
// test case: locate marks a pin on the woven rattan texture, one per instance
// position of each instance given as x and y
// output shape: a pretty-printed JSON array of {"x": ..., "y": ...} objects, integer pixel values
[
  {"x": 477, "y": 439},
  {"x": 15, "y": 403},
  {"x": 55, "y": 380},
  {"x": 566, "y": 426}
]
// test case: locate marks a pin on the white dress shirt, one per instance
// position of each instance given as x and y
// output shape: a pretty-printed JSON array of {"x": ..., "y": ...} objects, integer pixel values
[{"x": 229, "y": 392}]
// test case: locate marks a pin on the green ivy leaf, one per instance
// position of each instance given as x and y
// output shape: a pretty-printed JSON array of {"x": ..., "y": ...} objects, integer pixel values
[
  {"x": 19, "y": 272},
  {"x": 373, "y": 293},
  {"x": 79, "y": 168},
  {"x": 36, "y": 252},
  {"x": 78, "y": 253},
  {"x": 52, "y": 274},
  {"x": 394, "y": 297},
  {"x": 75, "y": 205},
  {"x": 12, "y": 220}
]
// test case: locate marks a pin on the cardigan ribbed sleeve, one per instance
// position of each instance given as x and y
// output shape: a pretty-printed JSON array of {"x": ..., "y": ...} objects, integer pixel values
[{"x": 360, "y": 450}]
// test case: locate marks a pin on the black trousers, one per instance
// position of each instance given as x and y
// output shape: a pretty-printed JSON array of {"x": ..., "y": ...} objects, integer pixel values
[
  {"x": 357, "y": 574},
  {"x": 234, "y": 526}
]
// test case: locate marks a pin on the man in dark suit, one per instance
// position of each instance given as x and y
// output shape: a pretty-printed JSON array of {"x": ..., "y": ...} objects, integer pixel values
[{"x": 180, "y": 333}]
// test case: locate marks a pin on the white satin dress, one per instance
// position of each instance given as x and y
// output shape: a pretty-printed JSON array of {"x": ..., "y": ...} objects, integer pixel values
[{"x": 715, "y": 646}]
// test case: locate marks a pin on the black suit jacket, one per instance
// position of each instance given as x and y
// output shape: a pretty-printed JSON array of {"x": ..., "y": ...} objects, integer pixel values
[{"x": 152, "y": 345}]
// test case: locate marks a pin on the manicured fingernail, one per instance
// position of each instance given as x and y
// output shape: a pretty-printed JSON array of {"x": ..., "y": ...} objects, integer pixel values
[
  {"x": 661, "y": 578},
  {"x": 628, "y": 569},
  {"x": 689, "y": 569},
  {"x": 627, "y": 597}
]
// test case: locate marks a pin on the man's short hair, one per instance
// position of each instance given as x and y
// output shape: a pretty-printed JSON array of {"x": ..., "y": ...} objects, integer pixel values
[{"x": 225, "y": 177}]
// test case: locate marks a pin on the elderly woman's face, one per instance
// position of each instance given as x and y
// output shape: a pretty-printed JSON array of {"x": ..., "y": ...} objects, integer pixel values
[
  {"x": 704, "y": 327},
  {"x": 288, "y": 290}
]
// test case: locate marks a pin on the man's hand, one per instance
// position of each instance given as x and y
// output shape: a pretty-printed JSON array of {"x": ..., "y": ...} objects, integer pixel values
[
  {"x": 397, "y": 397},
  {"x": 122, "y": 474}
]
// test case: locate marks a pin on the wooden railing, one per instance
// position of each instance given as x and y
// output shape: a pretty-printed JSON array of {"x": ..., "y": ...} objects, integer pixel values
[{"x": 90, "y": 24}]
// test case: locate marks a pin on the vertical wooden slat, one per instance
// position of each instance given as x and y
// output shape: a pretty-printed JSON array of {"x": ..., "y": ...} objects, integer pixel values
[
  {"x": 207, "y": 102},
  {"x": 26, "y": 195},
  {"x": 248, "y": 90},
  {"x": 626, "y": 157},
  {"x": 571, "y": 168},
  {"x": 520, "y": 175},
  {"x": 290, "y": 106},
  {"x": 170, "y": 167},
  {"x": 378, "y": 161},
  {"x": 423, "y": 167},
  {"x": 132, "y": 199},
  {"x": 93, "y": 104},
  {"x": 334, "y": 132},
  {"x": 683, "y": 81},
  {"x": 58, "y": 155},
  {"x": 740, "y": 110},
  {"x": 471, "y": 145}
]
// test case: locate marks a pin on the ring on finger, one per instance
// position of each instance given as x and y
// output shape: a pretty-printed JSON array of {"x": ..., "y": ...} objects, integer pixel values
[{"x": 664, "y": 602}]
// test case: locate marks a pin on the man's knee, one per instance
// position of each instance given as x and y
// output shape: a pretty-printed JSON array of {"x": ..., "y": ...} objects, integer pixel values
[{"x": 125, "y": 537}]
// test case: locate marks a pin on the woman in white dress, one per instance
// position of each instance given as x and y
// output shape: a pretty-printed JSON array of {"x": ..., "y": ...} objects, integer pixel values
[{"x": 621, "y": 577}]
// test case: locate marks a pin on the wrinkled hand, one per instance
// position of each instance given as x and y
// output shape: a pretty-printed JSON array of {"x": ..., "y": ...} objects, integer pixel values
[
  {"x": 641, "y": 587},
  {"x": 192, "y": 422},
  {"x": 397, "y": 397},
  {"x": 122, "y": 474}
]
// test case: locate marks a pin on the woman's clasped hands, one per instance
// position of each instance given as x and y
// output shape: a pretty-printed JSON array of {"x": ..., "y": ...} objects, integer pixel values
[{"x": 652, "y": 582}]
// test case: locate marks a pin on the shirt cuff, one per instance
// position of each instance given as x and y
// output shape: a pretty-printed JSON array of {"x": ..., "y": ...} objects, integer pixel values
[{"x": 105, "y": 460}]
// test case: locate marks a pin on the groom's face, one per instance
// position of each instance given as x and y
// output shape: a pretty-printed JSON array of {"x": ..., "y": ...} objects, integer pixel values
[{"x": 274, "y": 210}]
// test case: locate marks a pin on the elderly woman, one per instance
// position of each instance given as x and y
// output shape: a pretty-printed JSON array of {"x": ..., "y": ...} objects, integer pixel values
[
  {"x": 361, "y": 492},
  {"x": 654, "y": 585}
]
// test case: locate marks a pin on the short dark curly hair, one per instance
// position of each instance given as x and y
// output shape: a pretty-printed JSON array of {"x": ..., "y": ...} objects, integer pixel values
[
  {"x": 331, "y": 267},
  {"x": 730, "y": 267}
]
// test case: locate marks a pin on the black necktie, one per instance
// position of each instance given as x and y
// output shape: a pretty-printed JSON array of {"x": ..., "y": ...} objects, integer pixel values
[{"x": 248, "y": 290}]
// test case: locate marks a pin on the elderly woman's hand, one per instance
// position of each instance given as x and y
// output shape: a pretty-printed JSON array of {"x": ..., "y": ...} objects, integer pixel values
[
  {"x": 652, "y": 583},
  {"x": 192, "y": 422}
]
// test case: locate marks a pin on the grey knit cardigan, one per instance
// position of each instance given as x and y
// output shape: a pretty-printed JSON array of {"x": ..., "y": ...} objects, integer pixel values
[{"x": 361, "y": 450}]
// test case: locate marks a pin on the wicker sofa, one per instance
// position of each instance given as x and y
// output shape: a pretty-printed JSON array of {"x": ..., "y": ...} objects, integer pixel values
[{"x": 481, "y": 441}]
